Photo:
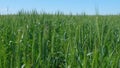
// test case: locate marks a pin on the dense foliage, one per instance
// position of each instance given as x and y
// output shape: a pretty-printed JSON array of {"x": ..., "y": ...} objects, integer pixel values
[{"x": 59, "y": 41}]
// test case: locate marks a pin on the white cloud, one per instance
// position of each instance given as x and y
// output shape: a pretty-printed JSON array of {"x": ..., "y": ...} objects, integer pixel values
[{"x": 3, "y": 9}]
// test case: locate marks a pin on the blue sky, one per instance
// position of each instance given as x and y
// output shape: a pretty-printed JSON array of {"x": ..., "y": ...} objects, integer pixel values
[{"x": 66, "y": 6}]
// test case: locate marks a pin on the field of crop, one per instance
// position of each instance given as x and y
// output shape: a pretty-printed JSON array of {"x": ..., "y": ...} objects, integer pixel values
[{"x": 31, "y": 40}]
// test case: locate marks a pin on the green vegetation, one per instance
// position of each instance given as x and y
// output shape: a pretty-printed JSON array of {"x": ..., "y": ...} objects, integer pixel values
[{"x": 31, "y": 40}]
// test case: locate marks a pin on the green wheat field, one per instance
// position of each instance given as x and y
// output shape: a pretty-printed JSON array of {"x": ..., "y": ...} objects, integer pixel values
[{"x": 32, "y": 40}]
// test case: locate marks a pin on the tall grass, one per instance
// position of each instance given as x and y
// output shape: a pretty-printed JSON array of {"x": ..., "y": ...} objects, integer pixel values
[{"x": 31, "y": 40}]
